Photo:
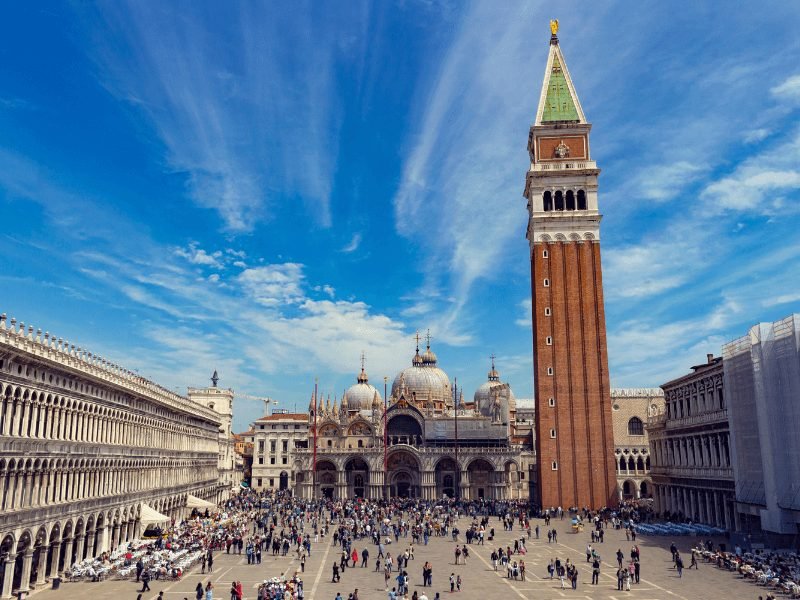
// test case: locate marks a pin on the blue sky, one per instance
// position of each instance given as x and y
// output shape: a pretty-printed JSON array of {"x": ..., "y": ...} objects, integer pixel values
[{"x": 270, "y": 188}]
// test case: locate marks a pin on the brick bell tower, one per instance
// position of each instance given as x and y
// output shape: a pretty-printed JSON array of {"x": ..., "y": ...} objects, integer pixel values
[{"x": 574, "y": 438}]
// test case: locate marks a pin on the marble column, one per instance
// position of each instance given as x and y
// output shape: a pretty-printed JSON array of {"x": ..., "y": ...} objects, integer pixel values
[
  {"x": 41, "y": 567},
  {"x": 8, "y": 577},
  {"x": 80, "y": 545},
  {"x": 67, "y": 554},
  {"x": 55, "y": 557},
  {"x": 27, "y": 562}
]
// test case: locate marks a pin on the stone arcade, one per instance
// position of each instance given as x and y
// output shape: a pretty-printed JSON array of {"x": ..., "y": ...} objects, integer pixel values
[{"x": 89, "y": 454}]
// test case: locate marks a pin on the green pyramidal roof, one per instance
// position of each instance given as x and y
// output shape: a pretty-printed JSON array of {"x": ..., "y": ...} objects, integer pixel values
[{"x": 558, "y": 105}]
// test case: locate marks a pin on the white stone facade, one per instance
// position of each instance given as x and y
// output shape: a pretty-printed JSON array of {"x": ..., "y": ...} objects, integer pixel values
[
  {"x": 276, "y": 439},
  {"x": 221, "y": 401},
  {"x": 87, "y": 447}
]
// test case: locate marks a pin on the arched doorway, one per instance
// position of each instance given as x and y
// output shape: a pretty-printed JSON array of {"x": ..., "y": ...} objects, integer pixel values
[
  {"x": 284, "y": 481},
  {"x": 628, "y": 490},
  {"x": 402, "y": 471},
  {"x": 448, "y": 475},
  {"x": 23, "y": 547},
  {"x": 357, "y": 477},
  {"x": 644, "y": 490},
  {"x": 6, "y": 551},
  {"x": 326, "y": 478},
  {"x": 480, "y": 479}
]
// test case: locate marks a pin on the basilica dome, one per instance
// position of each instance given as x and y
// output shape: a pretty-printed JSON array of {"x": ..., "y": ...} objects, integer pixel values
[
  {"x": 361, "y": 395},
  {"x": 422, "y": 381},
  {"x": 483, "y": 398}
]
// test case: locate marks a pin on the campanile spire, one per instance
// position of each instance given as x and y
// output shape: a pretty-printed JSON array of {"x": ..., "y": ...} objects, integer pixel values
[{"x": 574, "y": 439}]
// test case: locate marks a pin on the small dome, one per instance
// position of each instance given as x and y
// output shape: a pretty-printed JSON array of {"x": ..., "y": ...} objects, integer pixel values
[
  {"x": 428, "y": 357},
  {"x": 482, "y": 396},
  {"x": 361, "y": 395}
]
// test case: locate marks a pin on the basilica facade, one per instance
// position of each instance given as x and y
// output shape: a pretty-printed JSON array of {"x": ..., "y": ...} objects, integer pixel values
[{"x": 423, "y": 441}]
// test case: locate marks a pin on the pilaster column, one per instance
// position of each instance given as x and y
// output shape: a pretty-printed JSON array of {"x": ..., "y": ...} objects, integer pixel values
[
  {"x": 41, "y": 567},
  {"x": 8, "y": 577},
  {"x": 55, "y": 557},
  {"x": 80, "y": 543},
  {"x": 27, "y": 562},
  {"x": 67, "y": 554}
]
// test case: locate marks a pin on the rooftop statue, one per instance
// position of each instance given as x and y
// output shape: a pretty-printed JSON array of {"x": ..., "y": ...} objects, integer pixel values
[{"x": 554, "y": 26}]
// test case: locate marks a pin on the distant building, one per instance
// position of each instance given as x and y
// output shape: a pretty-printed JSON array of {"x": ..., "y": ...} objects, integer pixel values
[
  {"x": 423, "y": 443},
  {"x": 221, "y": 401},
  {"x": 762, "y": 383},
  {"x": 276, "y": 439},
  {"x": 690, "y": 448},
  {"x": 630, "y": 408}
]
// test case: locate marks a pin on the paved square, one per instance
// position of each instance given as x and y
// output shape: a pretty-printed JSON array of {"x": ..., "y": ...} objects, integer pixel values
[{"x": 480, "y": 581}]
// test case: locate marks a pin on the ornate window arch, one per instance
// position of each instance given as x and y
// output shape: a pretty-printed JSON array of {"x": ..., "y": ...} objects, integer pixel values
[{"x": 635, "y": 426}]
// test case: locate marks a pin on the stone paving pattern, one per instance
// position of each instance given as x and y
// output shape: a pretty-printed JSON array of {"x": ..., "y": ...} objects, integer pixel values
[{"x": 480, "y": 581}]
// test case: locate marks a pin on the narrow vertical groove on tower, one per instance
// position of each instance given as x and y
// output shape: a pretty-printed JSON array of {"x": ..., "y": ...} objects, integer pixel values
[{"x": 574, "y": 467}]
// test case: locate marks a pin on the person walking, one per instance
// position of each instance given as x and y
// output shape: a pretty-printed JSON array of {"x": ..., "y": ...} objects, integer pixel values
[
  {"x": 145, "y": 581},
  {"x": 452, "y": 582},
  {"x": 198, "y": 591},
  {"x": 458, "y": 583},
  {"x": 364, "y": 557},
  {"x": 679, "y": 565},
  {"x": 596, "y": 570},
  {"x": 209, "y": 591}
]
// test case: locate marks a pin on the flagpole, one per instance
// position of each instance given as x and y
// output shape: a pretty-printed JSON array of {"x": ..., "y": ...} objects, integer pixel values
[
  {"x": 316, "y": 410},
  {"x": 458, "y": 465}
]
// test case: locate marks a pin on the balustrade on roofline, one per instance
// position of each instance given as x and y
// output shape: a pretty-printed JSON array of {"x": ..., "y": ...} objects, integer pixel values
[{"x": 68, "y": 355}]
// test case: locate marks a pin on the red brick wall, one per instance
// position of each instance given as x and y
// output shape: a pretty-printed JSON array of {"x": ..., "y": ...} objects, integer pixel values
[{"x": 584, "y": 444}]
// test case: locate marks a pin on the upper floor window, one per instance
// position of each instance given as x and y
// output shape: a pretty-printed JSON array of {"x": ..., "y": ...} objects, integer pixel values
[{"x": 635, "y": 426}]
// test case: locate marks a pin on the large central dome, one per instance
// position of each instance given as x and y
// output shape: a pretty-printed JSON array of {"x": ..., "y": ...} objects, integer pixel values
[{"x": 423, "y": 381}]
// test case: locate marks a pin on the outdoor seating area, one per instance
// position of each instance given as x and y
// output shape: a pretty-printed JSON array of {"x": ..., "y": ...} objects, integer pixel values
[
  {"x": 679, "y": 529},
  {"x": 775, "y": 571}
]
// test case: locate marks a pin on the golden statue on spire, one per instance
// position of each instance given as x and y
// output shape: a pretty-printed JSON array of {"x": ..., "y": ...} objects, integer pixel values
[{"x": 554, "y": 26}]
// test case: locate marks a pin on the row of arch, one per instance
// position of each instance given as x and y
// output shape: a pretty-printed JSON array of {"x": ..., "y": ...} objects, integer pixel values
[
  {"x": 30, "y": 413},
  {"x": 27, "y": 483},
  {"x": 404, "y": 476},
  {"x": 560, "y": 201},
  {"x": 32, "y": 555},
  {"x": 629, "y": 465}
]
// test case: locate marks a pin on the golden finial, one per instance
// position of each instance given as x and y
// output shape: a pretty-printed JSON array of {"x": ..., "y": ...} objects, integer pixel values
[{"x": 554, "y": 26}]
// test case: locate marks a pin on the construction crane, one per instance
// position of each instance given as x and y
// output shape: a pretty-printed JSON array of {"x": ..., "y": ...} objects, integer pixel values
[{"x": 266, "y": 400}]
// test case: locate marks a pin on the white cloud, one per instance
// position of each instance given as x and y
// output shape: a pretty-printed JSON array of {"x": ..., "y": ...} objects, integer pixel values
[
  {"x": 662, "y": 182},
  {"x": 198, "y": 256},
  {"x": 353, "y": 245},
  {"x": 527, "y": 309},
  {"x": 273, "y": 285},
  {"x": 758, "y": 183},
  {"x": 214, "y": 277},
  {"x": 756, "y": 135},
  {"x": 789, "y": 90},
  {"x": 781, "y": 299}
]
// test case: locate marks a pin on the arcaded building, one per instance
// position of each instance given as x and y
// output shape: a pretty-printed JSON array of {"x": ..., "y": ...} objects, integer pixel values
[
  {"x": 90, "y": 454},
  {"x": 691, "y": 448},
  {"x": 630, "y": 408},
  {"x": 574, "y": 432},
  {"x": 424, "y": 441}
]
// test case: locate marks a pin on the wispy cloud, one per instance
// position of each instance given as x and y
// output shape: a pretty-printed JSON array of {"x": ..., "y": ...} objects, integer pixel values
[
  {"x": 353, "y": 244},
  {"x": 788, "y": 90},
  {"x": 217, "y": 107}
]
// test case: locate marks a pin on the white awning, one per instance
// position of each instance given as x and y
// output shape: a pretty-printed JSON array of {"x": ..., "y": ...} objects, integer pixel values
[
  {"x": 149, "y": 515},
  {"x": 195, "y": 502}
]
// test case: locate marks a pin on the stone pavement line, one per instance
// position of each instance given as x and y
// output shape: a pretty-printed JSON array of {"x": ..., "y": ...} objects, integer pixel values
[
  {"x": 167, "y": 589},
  {"x": 321, "y": 569},
  {"x": 508, "y": 582},
  {"x": 655, "y": 585}
]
